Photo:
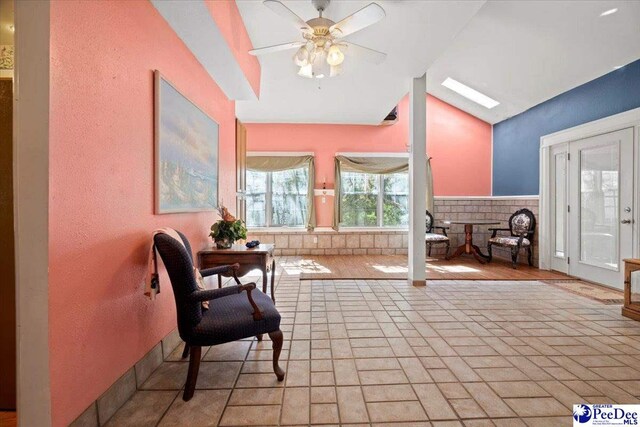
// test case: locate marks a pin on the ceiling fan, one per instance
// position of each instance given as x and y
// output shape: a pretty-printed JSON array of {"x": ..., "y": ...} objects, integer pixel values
[{"x": 321, "y": 53}]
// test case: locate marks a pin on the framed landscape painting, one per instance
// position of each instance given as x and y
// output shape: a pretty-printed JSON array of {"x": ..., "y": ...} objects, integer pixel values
[{"x": 186, "y": 153}]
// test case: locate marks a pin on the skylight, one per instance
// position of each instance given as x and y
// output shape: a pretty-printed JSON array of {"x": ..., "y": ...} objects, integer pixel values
[
  {"x": 469, "y": 93},
  {"x": 609, "y": 12}
]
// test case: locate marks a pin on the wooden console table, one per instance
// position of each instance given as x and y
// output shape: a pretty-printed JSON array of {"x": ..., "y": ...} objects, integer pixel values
[
  {"x": 631, "y": 306},
  {"x": 260, "y": 257}
]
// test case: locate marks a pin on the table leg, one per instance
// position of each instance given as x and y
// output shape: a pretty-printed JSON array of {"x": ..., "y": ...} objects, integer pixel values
[
  {"x": 219, "y": 281},
  {"x": 468, "y": 247},
  {"x": 264, "y": 278},
  {"x": 273, "y": 278}
]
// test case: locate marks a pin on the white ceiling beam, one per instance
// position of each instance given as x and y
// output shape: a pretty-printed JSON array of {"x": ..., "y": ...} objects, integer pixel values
[{"x": 193, "y": 23}]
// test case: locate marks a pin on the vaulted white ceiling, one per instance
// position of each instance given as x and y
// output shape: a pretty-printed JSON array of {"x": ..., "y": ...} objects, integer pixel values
[
  {"x": 413, "y": 34},
  {"x": 520, "y": 53}
]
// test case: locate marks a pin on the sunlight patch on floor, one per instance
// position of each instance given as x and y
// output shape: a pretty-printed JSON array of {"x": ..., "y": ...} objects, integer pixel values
[
  {"x": 304, "y": 266},
  {"x": 452, "y": 269},
  {"x": 390, "y": 269}
]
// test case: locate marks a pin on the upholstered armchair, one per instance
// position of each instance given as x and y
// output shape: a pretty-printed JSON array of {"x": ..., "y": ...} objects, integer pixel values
[
  {"x": 522, "y": 225},
  {"x": 235, "y": 312},
  {"x": 432, "y": 238}
]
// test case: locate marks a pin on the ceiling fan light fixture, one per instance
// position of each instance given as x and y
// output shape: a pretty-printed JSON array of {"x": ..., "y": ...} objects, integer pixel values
[
  {"x": 301, "y": 58},
  {"x": 335, "y": 70},
  {"x": 306, "y": 71},
  {"x": 335, "y": 56}
]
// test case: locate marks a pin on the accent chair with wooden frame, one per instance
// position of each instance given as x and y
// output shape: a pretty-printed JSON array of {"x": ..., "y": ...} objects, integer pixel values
[
  {"x": 522, "y": 226},
  {"x": 231, "y": 315},
  {"x": 432, "y": 238}
]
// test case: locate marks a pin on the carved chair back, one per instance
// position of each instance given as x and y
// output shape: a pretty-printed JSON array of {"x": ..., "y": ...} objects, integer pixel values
[
  {"x": 522, "y": 222},
  {"x": 429, "y": 222}
]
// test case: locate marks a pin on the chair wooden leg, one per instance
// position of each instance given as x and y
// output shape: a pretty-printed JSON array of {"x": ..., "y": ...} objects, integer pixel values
[
  {"x": 185, "y": 352},
  {"x": 530, "y": 256},
  {"x": 192, "y": 375},
  {"x": 277, "y": 338},
  {"x": 446, "y": 253},
  {"x": 490, "y": 254},
  {"x": 514, "y": 256},
  {"x": 259, "y": 337},
  {"x": 429, "y": 251}
]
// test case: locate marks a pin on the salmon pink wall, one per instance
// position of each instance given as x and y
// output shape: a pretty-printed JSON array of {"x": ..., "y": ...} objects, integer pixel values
[
  {"x": 101, "y": 190},
  {"x": 457, "y": 142},
  {"x": 229, "y": 21}
]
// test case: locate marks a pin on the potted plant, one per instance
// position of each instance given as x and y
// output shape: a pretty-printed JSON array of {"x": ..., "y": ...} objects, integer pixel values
[{"x": 226, "y": 231}]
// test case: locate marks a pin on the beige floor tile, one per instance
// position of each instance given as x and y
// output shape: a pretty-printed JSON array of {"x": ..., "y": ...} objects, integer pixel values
[
  {"x": 388, "y": 393},
  {"x": 321, "y": 365},
  {"x": 345, "y": 372},
  {"x": 298, "y": 373},
  {"x": 323, "y": 395},
  {"x": 204, "y": 409},
  {"x": 467, "y": 408},
  {"x": 395, "y": 376},
  {"x": 374, "y": 364},
  {"x": 518, "y": 389},
  {"x": 169, "y": 376},
  {"x": 218, "y": 374},
  {"x": 256, "y": 396},
  {"x": 453, "y": 390},
  {"x": 324, "y": 413},
  {"x": 322, "y": 379},
  {"x": 295, "y": 406},
  {"x": 351, "y": 405},
  {"x": 537, "y": 406},
  {"x": 490, "y": 402},
  {"x": 396, "y": 411},
  {"x": 145, "y": 408},
  {"x": 501, "y": 374},
  {"x": 415, "y": 371},
  {"x": 434, "y": 402},
  {"x": 250, "y": 415},
  {"x": 258, "y": 380},
  {"x": 230, "y": 351}
]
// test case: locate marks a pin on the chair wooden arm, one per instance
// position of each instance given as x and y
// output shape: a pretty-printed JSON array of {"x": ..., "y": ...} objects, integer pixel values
[
  {"x": 257, "y": 314},
  {"x": 211, "y": 294},
  {"x": 222, "y": 269},
  {"x": 443, "y": 228},
  {"x": 495, "y": 230}
]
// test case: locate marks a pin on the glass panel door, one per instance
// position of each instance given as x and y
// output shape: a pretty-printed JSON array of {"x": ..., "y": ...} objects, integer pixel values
[
  {"x": 599, "y": 205},
  {"x": 601, "y": 202}
]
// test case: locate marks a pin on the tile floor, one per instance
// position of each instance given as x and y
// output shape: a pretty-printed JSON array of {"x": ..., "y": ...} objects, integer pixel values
[{"x": 374, "y": 352}]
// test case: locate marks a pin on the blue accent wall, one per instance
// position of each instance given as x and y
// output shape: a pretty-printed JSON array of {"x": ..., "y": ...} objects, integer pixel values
[{"x": 516, "y": 141}]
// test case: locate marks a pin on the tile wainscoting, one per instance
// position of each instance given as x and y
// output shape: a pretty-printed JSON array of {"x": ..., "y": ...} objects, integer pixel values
[{"x": 393, "y": 242}]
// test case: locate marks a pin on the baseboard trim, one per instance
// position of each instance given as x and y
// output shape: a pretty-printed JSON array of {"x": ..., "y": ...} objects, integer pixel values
[{"x": 100, "y": 411}]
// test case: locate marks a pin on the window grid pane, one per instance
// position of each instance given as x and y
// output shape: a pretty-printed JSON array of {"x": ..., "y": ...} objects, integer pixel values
[
  {"x": 289, "y": 197},
  {"x": 277, "y": 198},
  {"x": 362, "y": 204}
]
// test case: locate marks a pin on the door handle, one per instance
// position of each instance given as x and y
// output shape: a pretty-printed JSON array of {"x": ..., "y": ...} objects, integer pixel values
[{"x": 627, "y": 221}]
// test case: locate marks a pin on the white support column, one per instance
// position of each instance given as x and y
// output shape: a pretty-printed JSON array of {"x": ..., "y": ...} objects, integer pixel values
[{"x": 417, "y": 179}]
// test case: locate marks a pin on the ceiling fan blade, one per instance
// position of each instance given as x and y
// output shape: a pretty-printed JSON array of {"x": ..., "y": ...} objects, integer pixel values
[
  {"x": 276, "y": 48},
  {"x": 366, "y": 16},
  {"x": 288, "y": 14},
  {"x": 369, "y": 55}
]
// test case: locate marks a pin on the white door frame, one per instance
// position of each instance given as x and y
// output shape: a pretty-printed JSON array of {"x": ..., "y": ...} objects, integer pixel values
[
  {"x": 31, "y": 209},
  {"x": 627, "y": 119}
]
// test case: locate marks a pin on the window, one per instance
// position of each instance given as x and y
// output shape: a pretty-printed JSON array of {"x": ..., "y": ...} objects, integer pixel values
[
  {"x": 362, "y": 204},
  {"x": 277, "y": 199}
]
